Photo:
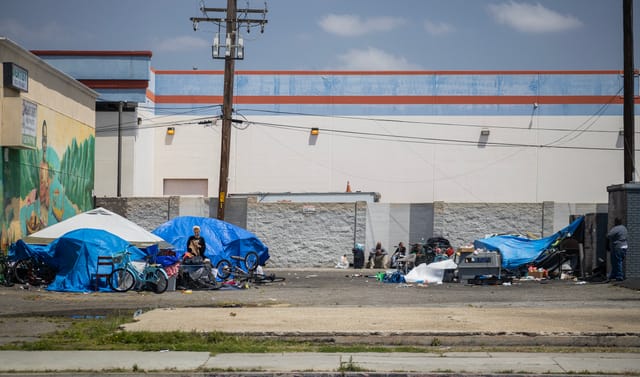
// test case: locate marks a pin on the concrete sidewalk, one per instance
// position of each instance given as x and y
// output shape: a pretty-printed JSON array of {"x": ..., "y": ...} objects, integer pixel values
[{"x": 321, "y": 363}]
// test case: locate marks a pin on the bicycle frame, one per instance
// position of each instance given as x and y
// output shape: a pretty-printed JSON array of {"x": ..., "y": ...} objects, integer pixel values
[{"x": 127, "y": 276}]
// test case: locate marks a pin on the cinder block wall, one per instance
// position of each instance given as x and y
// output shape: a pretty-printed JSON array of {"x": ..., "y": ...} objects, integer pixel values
[
  {"x": 625, "y": 199},
  {"x": 462, "y": 223},
  {"x": 633, "y": 225},
  {"x": 307, "y": 234},
  {"x": 316, "y": 234}
]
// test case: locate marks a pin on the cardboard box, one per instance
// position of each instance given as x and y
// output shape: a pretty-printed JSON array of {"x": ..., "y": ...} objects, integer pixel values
[{"x": 538, "y": 274}]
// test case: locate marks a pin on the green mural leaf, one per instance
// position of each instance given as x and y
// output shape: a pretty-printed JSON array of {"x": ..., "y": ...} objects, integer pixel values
[{"x": 76, "y": 173}]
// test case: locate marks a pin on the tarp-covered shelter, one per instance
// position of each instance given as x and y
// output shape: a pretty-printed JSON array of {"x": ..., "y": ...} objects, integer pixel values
[
  {"x": 222, "y": 239},
  {"x": 519, "y": 251},
  {"x": 75, "y": 256},
  {"x": 99, "y": 218}
]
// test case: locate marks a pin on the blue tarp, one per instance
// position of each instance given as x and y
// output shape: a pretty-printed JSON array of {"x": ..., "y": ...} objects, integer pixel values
[
  {"x": 222, "y": 239},
  {"x": 75, "y": 257},
  {"x": 517, "y": 251}
]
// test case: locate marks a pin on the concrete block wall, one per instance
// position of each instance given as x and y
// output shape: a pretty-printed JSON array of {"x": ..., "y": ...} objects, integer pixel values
[
  {"x": 624, "y": 202},
  {"x": 317, "y": 234},
  {"x": 633, "y": 225},
  {"x": 462, "y": 223},
  {"x": 149, "y": 213},
  {"x": 307, "y": 234}
]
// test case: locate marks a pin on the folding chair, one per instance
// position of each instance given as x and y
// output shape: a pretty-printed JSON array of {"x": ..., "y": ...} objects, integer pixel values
[{"x": 104, "y": 268}]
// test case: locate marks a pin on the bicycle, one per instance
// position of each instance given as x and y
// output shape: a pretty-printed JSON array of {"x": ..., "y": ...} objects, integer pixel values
[
  {"x": 250, "y": 273},
  {"x": 128, "y": 276},
  {"x": 6, "y": 270},
  {"x": 34, "y": 271}
]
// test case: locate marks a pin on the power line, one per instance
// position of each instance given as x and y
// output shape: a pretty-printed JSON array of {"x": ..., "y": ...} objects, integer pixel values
[{"x": 233, "y": 49}]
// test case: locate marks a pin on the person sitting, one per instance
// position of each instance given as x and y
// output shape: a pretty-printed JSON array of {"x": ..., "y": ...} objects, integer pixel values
[
  {"x": 378, "y": 257},
  {"x": 398, "y": 255},
  {"x": 358, "y": 256},
  {"x": 343, "y": 263},
  {"x": 196, "y": 247}
]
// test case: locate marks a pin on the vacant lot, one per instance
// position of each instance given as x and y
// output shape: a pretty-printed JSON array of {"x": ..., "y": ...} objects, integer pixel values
[{"x": 565, "y": 306}]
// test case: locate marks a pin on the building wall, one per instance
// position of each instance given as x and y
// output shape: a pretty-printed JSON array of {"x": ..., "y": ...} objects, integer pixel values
[
  {"x": 52, "y": 179},
  {"x": 624, "y": 203},
  {"x": 413, "y": 137},
  {"x": 106, "y": 153},
  {"x": 118, "y": 77},
  {"x": 316, "y": 234}
]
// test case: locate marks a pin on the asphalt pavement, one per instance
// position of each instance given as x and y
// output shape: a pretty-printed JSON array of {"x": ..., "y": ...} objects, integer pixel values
[{"x": 321, "y": 301}]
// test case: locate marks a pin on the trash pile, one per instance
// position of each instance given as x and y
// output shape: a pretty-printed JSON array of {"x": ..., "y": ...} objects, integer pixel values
[{"x": 495, "y": 259}]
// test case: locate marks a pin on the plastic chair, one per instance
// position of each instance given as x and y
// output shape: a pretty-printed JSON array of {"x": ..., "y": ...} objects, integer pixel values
[{"x": 104, "y": 268}]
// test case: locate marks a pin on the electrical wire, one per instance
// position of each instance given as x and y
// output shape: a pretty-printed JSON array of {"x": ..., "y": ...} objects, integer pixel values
[
  {"x": 427, "y": 140},
  {"x": 590, "y": 121},
  {"x": 405, "y": 121}
]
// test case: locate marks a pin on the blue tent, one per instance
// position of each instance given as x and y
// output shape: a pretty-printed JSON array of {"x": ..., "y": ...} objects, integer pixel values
[
  {"x": 517, "y": 251},
  {"x": 222, "y": 239},
  {"x": 75, "y": 257}
]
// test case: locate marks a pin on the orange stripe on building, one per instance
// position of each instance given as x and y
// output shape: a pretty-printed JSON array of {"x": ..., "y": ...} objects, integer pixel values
[
  {"x": 115, "y": 84},
  {"x": 392, "y": 100},
  {"x": 387, "y": 73}
]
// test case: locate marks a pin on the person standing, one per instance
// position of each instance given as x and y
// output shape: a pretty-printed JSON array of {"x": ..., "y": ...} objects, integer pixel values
[{"x": 617, "y": 245}]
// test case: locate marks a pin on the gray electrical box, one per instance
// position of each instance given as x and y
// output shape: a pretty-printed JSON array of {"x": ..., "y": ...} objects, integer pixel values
[{"x": 471, "y": 265}]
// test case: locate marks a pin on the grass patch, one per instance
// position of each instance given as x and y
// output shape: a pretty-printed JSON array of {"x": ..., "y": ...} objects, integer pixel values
[
  {"x": 106, "y": 334},
  {"x": 350, "y": 366}
]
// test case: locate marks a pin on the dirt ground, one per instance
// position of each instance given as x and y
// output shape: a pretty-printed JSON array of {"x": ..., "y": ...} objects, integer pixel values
[{"x": 332, "y": 300}]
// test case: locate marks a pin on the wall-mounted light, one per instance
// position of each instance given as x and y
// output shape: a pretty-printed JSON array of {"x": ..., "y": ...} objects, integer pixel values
[
  {"x": 315, "y": 131},
  {"x": 485, "y": 132},
  {"x": 171, "y": 131},
  {"x": 621, "y": 132}
]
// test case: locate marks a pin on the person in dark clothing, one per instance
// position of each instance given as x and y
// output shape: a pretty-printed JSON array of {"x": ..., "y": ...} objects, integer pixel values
[
  {"x": 196, "y": 245},
  {"x": 400, "y": 253},
  {"x": 617, "y": 245},
  {"x": 358, "y": 256}
]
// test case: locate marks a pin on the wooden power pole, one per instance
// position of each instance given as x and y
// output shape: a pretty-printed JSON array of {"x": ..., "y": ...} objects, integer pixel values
[
  {"x": 227, "y": 110},
  {"x": 629, "y": 96},
  {"x": 234, "y": 49}
]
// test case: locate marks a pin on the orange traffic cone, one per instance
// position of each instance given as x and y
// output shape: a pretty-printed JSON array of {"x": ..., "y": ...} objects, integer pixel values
[{"x": 348, "y": 187}]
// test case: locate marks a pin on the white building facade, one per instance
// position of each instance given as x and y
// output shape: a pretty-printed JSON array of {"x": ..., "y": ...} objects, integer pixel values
[{"x": 412, "y": 137}]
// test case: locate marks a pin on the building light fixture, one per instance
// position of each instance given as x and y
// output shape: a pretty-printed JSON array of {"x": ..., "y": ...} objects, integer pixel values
[
  {"x": 315, "y": 131},
  {"x": 171, "y": 131}
]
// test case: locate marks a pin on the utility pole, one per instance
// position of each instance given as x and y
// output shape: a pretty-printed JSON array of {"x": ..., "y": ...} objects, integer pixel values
[
  {"x": 629, "y": 96},
  {"x": 234, "y": 49}
]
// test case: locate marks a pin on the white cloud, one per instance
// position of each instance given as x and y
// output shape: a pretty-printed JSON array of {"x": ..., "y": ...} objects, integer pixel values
[
  {"x": 347, "y": 25},
  {"x": 182, "y": 43},
  {"x": 438, "y": 28},
  {"x": 530, "y": 18},
  {"x": 373, "y": 59},
  {"x": 47, "y": 36}
]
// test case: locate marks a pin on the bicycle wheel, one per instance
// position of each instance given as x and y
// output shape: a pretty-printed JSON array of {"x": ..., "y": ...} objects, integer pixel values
[
  {"x": 121, "y": 280},
  {"x": 22, "y": 271},
  {"x": 251, "y": 261},
  {"x": 265, "y": 279},
  {"x": 224, "y": 268},
  {"x": 158, "y": 281},
  {"x": 46, "y": 274}
]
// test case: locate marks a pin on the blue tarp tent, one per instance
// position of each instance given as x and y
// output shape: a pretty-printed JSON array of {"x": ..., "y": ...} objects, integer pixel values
[
  {"x": 75, "y": 257},
  {"x": 223, "y": 239},
  {"x": 517, "y": 251}
]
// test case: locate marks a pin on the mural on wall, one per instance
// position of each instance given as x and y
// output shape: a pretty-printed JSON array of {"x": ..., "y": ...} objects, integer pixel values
[{"x": 44, "y": 186}]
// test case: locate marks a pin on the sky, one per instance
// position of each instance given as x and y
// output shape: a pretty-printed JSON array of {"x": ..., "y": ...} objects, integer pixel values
[{"x": 339, "y": 34}]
